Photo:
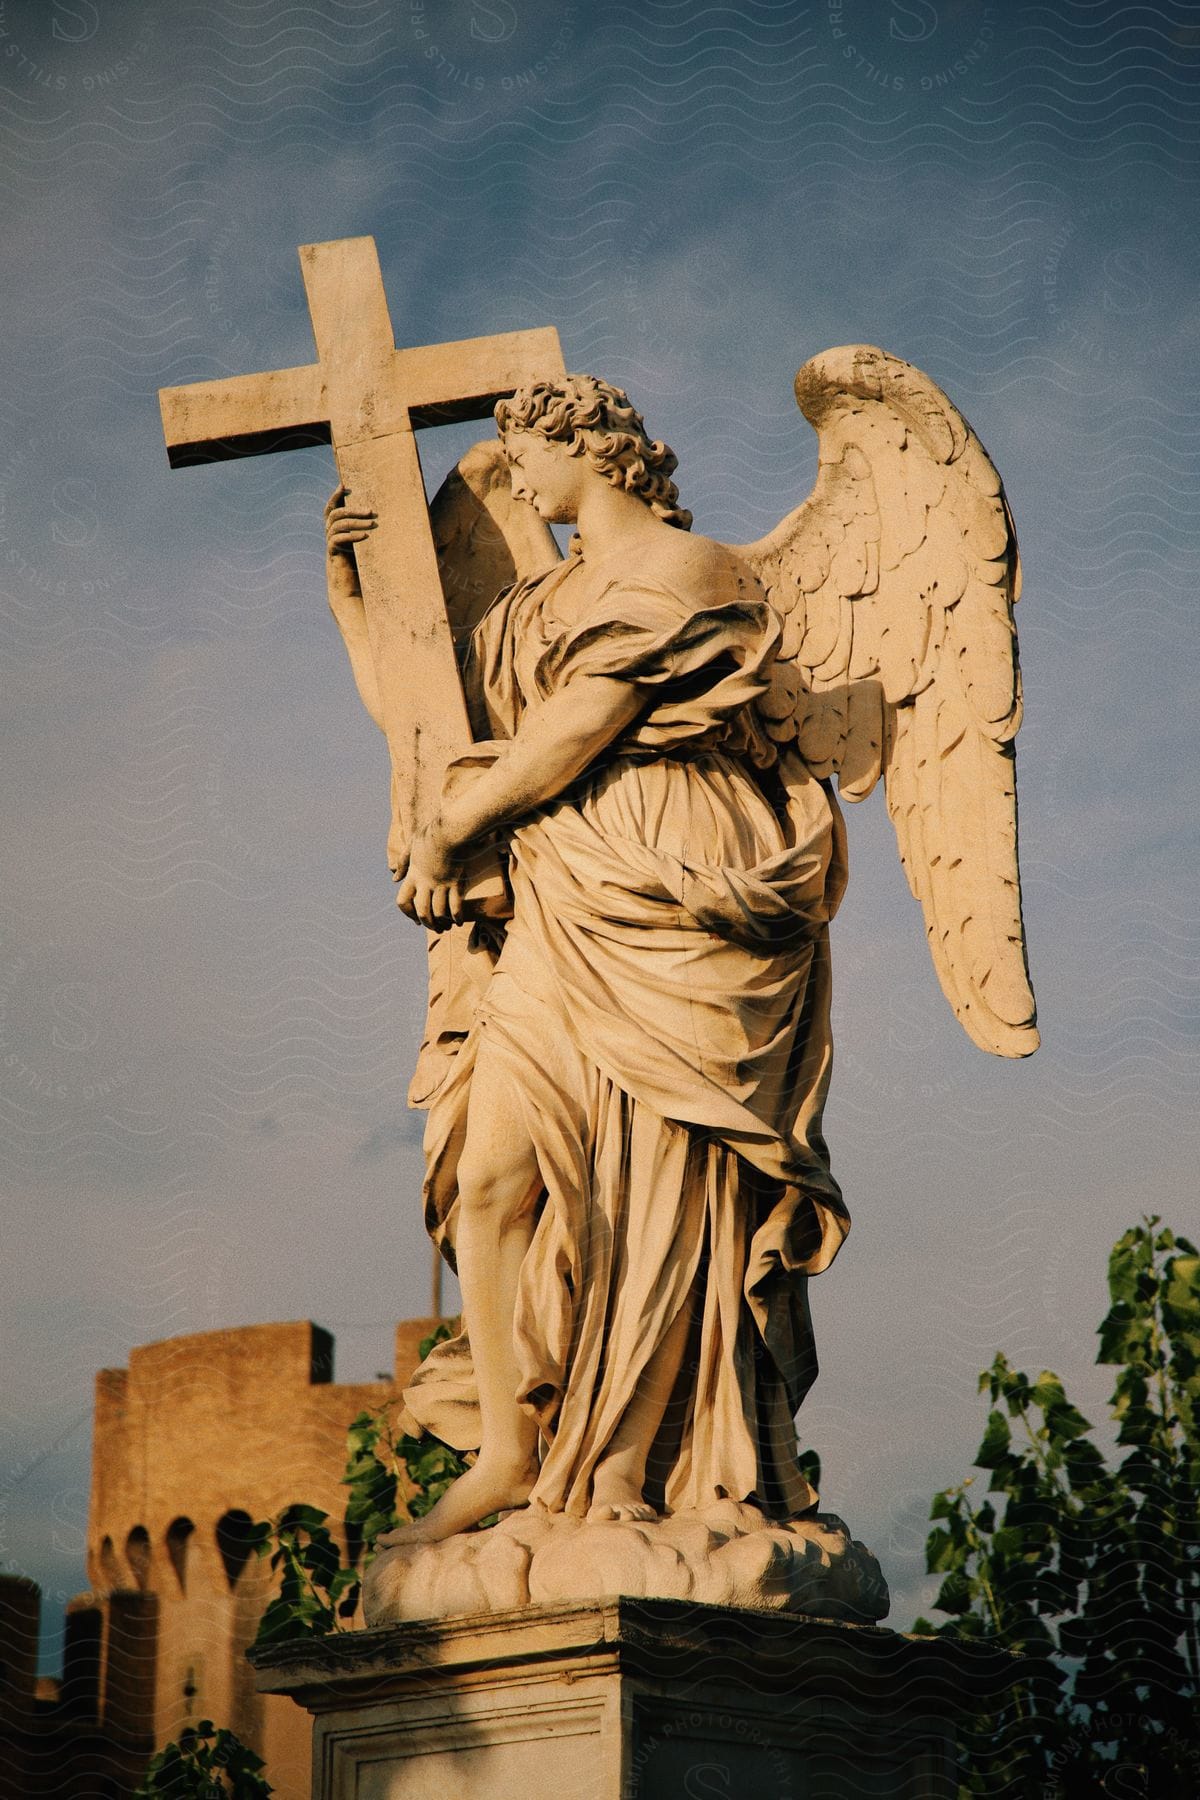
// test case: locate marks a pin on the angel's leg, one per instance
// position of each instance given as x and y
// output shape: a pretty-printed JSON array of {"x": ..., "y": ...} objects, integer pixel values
[
  {"x": 499, "y": 1186},
  {"x": 617, "y": 1486}
]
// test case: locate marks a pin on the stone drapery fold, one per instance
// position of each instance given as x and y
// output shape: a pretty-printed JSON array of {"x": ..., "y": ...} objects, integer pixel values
[{"x": 661, "y": 1003}]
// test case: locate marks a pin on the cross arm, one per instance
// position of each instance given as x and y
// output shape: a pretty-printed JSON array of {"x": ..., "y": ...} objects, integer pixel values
[
  {"x": 247, "y": 415},
  {"x": 367, "y": 398},
  {"x": 448, "y": 383}
]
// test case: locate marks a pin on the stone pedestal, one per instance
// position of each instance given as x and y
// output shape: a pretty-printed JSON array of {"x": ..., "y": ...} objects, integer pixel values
[
  {"x": 633, "y": 1700},
  {"x": 726, "y": 1554}
]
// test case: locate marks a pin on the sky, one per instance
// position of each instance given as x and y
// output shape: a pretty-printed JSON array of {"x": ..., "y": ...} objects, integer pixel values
[{"x": 209, "y": 1007}]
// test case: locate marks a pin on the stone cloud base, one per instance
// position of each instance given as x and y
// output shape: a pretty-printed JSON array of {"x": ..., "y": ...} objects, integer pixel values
[
  {"x": 632, "y": 1700},
  {"x": 727, "y": 1555}
]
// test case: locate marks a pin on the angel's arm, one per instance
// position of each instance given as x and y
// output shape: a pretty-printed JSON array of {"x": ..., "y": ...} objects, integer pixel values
[
  {"x": 554, "y": 744},
  {"x": 344, "y": 527},
  {"x": 483, "y": 537}
]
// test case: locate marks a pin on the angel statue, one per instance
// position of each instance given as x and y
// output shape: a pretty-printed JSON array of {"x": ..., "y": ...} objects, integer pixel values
[{"x": 625, "y": 1079}]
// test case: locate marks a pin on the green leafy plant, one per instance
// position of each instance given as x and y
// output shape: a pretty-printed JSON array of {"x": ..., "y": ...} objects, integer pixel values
[
  {"x": 207, "y": 1763},
  {"x": 390, "y": 1476},
  {"x": 316, "y": 1591},
  {"x": 1091, "y": 1571}
]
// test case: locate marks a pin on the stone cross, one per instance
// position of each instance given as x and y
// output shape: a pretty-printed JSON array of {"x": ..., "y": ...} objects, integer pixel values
[{"x": 366, "y": 398}]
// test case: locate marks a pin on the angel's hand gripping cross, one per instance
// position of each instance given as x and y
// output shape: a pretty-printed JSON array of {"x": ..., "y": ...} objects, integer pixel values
[{"x": 367, "y": 398}]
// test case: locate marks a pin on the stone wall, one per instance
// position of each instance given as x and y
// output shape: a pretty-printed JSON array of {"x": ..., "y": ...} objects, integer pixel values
[{"x": 198, "y": 1438}]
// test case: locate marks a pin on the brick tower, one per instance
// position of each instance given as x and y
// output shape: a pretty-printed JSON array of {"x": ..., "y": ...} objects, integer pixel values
[{"x": 196, "y": 1440}]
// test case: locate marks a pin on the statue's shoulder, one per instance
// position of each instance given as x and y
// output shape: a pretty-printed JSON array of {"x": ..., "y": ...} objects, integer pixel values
[{"x": 698, "y": 567}]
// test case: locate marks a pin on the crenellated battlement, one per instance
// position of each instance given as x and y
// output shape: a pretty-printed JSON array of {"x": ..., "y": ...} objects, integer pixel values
[{"x": 196, "y": 1440}]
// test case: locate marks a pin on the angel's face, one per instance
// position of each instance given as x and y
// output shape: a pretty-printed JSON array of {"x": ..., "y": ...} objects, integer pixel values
[{"x": 545, "y": 474}]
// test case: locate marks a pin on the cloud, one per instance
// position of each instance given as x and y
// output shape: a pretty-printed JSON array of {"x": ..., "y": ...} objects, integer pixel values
[
  {"x": 388, "y": 1137},
  {"x": 198, "y": 935}
]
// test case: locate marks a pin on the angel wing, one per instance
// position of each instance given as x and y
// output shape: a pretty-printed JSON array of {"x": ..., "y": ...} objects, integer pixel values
[{"x": 896, "y": 581}]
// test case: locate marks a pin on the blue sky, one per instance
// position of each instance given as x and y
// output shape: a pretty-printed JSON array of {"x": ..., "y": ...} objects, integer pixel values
[{"x": 208, "y": 1007}]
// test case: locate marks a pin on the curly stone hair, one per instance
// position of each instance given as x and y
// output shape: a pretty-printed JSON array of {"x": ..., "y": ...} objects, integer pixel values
[{"x": 595, "y": 419}]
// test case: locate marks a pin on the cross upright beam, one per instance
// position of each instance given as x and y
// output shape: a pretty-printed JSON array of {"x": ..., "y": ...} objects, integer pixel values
[{"x": 367, "y": 398}]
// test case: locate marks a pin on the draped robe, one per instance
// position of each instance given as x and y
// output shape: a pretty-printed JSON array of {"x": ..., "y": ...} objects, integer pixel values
[{"x": 661, "y": 1001}]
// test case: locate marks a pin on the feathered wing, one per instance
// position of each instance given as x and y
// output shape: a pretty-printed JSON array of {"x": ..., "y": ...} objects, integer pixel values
[
  {"x": 485, "y": 539},
  {"x": 896, "y": 581}
]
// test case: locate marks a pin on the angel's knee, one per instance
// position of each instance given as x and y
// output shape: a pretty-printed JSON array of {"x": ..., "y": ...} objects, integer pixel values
[{"x": 499, "y": 1181}]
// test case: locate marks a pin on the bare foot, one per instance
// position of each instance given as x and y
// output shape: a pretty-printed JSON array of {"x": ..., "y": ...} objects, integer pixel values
[
  {"x": 603, "y": 1511},
  {"x": 490, "y": 1486},
  {"x": 615, "y": 1496}
]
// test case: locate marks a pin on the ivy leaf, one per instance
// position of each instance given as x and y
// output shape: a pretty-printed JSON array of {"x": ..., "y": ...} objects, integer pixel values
[
  {"x": 304, "y": 1518},
  {"x": 261, "y": 1537},
  {"x": 996, "y": 1441},
  {"x": 1124, "y": 1336},
  {"x": 1084, "y": 1564},
  {"x": 941, "y": 1553},
  {"x": 955, "y": 1594},
  {"x": 1123, "y": 1266},
  {"x": 439, "y": 1335},
  {"x": 1181, "y": 1300}
]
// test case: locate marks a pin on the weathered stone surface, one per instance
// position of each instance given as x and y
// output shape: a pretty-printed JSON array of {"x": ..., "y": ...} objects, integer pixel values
[
  {"x": 626, "y": 1069},
  {"x": 634, "y": 1700},
  {"x": 199, "y": 1435},
  {"x": 637, "y": 1325},
  {"x": 365, "y": 397},
  {"x": 725, "y": 1555}
]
